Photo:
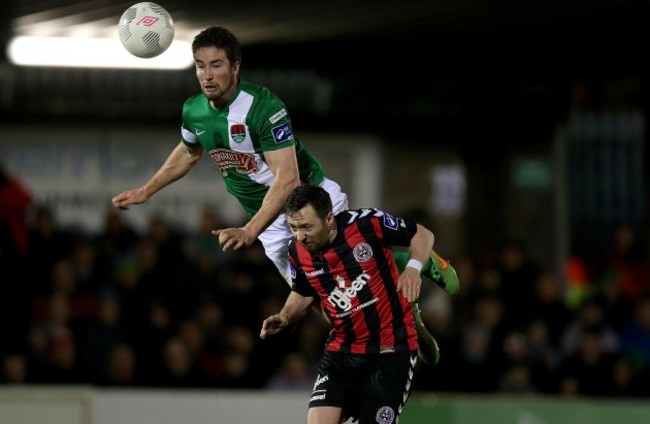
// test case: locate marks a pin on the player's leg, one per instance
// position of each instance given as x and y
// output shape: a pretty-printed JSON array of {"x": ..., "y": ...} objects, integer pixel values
[
  {"x": 429, "y": 352},
  {"x": 339, "y": 199},
  {"x": 324, "y": 415},
  {"x": 387, "y": 387},
  {"x": 336, "y": 389},
  {"x": 437, "y": 269},
  {"x": 444, "y": 275},
  {"x": 275, "y": 240}
]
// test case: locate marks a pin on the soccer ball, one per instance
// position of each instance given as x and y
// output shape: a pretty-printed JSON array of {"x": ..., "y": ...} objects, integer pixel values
[{"x": 146, "y": 29}]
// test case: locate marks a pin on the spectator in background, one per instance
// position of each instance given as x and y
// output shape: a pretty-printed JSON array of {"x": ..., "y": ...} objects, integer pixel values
[
  {"x": 179, "y": 369},
  {"x": 100, "y": 335},
  {"x": 617, "y": 308},
  {"x": 115, "y": 240},
  {"x": 628, "y": 381},
  {"x": 148, "y": 335},
  {"x": 590, "y": 319},
  {"x": 36, "y": 342},
  {"x": 295, "y": 373},
  {"x": 548, "y": 305},
  {"x": 473, "y": 369},
  {"x": 14, "y": 369},
  {"x": 544, "y": 357},
  {"x": 48, "y": 242},
  {"x": 518, "y": 274},
  {"x": 60, "y": 352},
  {"x": 589, "y": 370},
  {"x": 626, "y": 258},
  {"x": 120, "y": 369},
  {"x": 15, "y": 201},
  {"x": 635, "y": 338}
]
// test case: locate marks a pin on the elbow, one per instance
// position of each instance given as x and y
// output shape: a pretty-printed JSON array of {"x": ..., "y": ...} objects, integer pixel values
[
  {"x": 294, "y": 181},
  {"x": 291, "y": 183},
  {"x": 426, "y": 233}
]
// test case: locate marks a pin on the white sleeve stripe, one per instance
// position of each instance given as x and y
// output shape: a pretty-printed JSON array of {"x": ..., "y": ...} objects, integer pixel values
[{"x": 188, "y": 136}]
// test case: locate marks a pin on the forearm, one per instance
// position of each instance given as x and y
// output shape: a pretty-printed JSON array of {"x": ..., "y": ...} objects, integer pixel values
[
  {"x": 177, "y": 165},
  {"x": 273, "y": 203},
  {"x": 421, "y": 244},
  {"x": 296, "y": 307}
]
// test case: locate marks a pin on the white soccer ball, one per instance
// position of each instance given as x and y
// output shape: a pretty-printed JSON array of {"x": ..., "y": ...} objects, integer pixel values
[{"x": 146, "y": 29}]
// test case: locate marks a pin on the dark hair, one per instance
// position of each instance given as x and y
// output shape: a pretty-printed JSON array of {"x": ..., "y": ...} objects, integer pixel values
[
  {"x": 308, "y": 194},
  {"x": 220, "y": 37}
]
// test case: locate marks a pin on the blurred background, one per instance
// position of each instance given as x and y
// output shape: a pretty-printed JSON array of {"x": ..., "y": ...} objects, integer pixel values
[{"x": 515, "y": 131}]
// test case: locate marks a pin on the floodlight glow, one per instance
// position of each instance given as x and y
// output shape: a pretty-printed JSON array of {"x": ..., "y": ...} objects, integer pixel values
[{"x": 92, "y": 53}]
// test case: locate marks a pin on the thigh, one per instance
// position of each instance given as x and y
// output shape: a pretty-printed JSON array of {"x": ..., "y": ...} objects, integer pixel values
[
  {"x": 339, "y": 199},
  {"x": 338, "y": 382},
  {"x": 387, "y": 387},
  {"x": 275, "y": 240},
  {"x": 324, "y": 415}
]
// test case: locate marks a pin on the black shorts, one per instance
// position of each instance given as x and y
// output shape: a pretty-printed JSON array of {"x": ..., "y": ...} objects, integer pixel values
[{"x": 370, "y": 388}]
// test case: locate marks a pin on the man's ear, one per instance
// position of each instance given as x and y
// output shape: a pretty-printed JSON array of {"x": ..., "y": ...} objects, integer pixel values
[{"x": 329, "y": 219}]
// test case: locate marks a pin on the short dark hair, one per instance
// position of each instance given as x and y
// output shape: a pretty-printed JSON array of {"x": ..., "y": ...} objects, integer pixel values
[
  {"x": 309, "y": 194},
  {"x": 220, "y": 37}
]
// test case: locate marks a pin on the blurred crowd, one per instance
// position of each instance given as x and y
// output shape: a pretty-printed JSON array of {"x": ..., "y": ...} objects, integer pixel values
[{"x": 164, "y": 308}]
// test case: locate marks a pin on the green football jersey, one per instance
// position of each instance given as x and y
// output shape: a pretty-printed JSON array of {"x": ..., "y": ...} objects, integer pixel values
[{"x": 236, "y": 136}]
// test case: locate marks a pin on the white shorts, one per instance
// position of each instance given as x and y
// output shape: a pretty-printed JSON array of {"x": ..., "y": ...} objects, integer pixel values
[{"x": 277, "y": 236}]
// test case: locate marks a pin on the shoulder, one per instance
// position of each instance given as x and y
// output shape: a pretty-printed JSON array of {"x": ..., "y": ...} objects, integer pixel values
[
  {"x": 292, "y": 245},
  {"x": 370, "y": 216},
  {"x": 262, "y": 96},
  {"x": 364, "y": 214},
  {"x": 194, "y": 102},
  {"x": 255, "y": 89}
]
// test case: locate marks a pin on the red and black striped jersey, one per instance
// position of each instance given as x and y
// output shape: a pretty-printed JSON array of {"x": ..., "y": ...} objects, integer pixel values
[{"x": 356, "y": 279}]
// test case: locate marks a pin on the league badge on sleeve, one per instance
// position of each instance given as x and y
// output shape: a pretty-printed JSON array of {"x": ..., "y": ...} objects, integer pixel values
[
  {"x": 282, "y": 133},
  {"x": 390, "y": 221}
]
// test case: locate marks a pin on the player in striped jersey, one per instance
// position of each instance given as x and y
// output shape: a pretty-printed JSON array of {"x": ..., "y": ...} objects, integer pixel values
[
  {"x": 345, "y": 262},
  {"x": 246, "y": 131}
]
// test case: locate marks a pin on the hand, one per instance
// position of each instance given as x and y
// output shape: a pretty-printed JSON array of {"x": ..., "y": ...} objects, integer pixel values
[
  {"x": 409, "y": 283},
  {"x": 129, "y": 197},
  {"x": 234, "y": 237},
  {"x": 273, "y": 325}
]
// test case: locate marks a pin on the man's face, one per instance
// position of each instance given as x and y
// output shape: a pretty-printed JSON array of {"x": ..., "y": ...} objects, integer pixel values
[
  {"x": 309, "y": 229},
  {"x": 217, "y": 76}
]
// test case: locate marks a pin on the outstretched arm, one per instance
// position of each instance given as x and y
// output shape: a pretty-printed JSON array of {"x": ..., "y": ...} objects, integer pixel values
[
  {"x": 295, "y": 308},
  {"x": 178, "y": 164},
  {"x": 284, "y": 166}
]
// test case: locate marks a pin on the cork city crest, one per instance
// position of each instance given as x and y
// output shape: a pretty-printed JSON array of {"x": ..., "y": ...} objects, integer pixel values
[{"x": 238, "y": 133}]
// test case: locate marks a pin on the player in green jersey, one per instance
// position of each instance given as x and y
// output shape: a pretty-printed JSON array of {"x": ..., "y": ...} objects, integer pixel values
[{"x": 246, "y": 131}]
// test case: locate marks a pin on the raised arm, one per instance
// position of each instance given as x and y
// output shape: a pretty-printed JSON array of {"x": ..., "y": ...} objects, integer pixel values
[{"x": 177, "y": 165}]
